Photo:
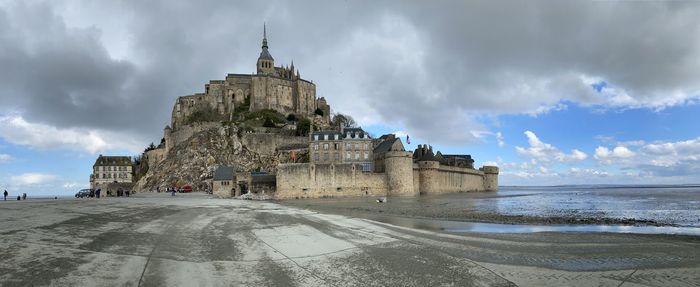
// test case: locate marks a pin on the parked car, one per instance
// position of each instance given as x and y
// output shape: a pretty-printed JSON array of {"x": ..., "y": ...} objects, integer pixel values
[
  {"x": 186, "y": 188},
  {"x": 84, "y": 193}
]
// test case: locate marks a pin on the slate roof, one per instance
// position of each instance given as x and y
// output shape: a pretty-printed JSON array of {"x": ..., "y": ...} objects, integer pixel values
[
  {"x": 355, "y": 133},
  {"x": 321, "y": 135},
  {"x": 224, "y": 173},
  {"x": 384, "y": 146},
  {"x": 104, "y": 160}
]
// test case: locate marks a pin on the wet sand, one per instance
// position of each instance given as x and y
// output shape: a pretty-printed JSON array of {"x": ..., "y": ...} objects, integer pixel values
[
  {"x": 194, "y": 240},
  {"x": 501, "y": 207}
]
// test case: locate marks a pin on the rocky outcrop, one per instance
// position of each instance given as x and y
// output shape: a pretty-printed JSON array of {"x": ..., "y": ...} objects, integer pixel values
[{"x": 193, "y": 161}]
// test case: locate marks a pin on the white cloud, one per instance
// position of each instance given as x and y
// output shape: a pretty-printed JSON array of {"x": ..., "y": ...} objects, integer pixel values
[
  {"x": 5, "y": 158},
  {"x": 17, "y": 130},
  {"x": 607, "y": 156},
  {"x": 499, "y": 138},
  {"x": 545, "y": 152},
  {"x": 32, "y": 178}
]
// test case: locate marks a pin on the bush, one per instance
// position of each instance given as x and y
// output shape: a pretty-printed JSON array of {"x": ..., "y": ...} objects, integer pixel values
[
  {"x": 291, "y": 118},
  {"x": 203, "y": 112},
  {"x": 268, "y": 123},
  {"x": 318, "y": 111},
  {"x": 303, "y": 127}
]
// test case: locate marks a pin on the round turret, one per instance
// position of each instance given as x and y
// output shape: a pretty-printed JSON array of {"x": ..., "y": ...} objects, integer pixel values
[
  {"x": 490, "y": 177},
  {"x": 399, "y": 173}
]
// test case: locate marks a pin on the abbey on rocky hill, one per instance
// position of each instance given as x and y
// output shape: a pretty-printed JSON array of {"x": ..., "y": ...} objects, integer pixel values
[{"x": 276, "y": 88}]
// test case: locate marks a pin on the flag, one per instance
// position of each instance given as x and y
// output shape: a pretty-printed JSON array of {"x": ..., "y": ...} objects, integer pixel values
[{"x": 408, "y": 140}]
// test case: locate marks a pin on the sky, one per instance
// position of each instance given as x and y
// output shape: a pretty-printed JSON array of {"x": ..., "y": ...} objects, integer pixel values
[{"x": 552, "y": 92}]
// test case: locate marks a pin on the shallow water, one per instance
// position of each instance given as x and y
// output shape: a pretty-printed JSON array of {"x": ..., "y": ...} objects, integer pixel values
[
  {"x": 467, "y": 227},
  {"x": 676, "y": 205}
]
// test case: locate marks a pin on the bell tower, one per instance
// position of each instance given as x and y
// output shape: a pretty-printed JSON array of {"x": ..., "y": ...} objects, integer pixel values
[{"x": 266, "y": 64}]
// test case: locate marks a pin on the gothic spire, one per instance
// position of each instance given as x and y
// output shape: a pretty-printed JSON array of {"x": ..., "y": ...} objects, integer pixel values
[{"x": 264, "y": 41}]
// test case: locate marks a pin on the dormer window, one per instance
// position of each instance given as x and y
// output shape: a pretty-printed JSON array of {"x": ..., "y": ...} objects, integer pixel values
[
  {"x": 326, "y": 137},
  {"x": 315, "y": 137}
]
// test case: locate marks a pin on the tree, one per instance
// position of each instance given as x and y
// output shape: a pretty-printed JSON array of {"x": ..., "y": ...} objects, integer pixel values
[
  {"x": 343, "y": 120},
  {"x": 303, "y": 127},
  {"x": 291, "y": 118},
  {"x": 319, "y": 112},
  {"x": 269, "y": 123}
]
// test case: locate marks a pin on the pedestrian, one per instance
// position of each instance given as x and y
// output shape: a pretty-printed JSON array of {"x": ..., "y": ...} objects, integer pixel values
[
  {"x": 127, "y": 193},
  {"x": 97, "y": 192},
  {"x": 6, "y": 195},
  {"x": 173, "y": 191},
  {"x": 19, "y": 197},
  {"x": 24, "y": 196}
]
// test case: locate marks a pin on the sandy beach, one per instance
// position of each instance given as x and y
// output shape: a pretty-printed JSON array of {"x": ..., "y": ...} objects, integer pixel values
[{"x": 194, "y": 240}]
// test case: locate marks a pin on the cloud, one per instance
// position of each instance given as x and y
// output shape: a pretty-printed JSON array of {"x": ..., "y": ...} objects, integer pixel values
[
  {"x": 607, "y": 156},
  {"x": 32, "y": 178},
  {"x": 430, "y": 70},
  {"x": 545, "y": 152},
  {"x": 17, "y": 130},
  {"x": 4, "y": 158},
  {"x": 499, "y": 138}
]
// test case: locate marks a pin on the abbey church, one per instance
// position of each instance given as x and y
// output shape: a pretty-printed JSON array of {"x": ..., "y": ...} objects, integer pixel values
[{"x": 277, "y": 88}]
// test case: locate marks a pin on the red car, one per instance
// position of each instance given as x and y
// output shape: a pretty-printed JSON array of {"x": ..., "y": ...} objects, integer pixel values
[{"x": 186, "y": 188}]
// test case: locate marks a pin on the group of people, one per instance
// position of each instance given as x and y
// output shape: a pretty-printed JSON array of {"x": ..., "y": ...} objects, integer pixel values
[{"x": 23, "y": 197}]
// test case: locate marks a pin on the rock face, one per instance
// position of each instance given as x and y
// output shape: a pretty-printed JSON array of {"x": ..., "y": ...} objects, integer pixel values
[{"x": 194, "y": 160}]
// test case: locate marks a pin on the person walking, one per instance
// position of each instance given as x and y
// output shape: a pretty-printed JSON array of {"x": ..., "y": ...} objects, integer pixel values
[
  {"x": 97, "y": 192},
  {"x": 5, "y": 194},
  {"x": 24, "y": 196},
  {"x": 173, "y": 191}
]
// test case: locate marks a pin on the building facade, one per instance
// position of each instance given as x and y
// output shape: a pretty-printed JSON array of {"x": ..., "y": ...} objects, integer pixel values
[
  {"x": 111, "y": 169},
  {"x": 350, "y": 145}
]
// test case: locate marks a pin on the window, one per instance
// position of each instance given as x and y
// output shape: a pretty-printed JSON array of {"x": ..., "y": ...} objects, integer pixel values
[
  {"x": 337, "y": 136},
  {"x": 357, "y": 155},
  {"x": 325, "y": 156},
  {"x": 336, "y": 156},
  {"x": 315, "y": 146},
  {"x": 347, "y": 155},
  {"x": 348, "y": 146},
  {"x": 366, "y": 155},
  {"x": 315, "y": 156},
  {"x": 315, "y": 137},
  {"x": 366, "y": 146},
  {"x": 325, "y": 137},
  {"x": 325, "y": 146},
  {"x": 357, "y": 146},
  {"x": 335, "y": 146}
]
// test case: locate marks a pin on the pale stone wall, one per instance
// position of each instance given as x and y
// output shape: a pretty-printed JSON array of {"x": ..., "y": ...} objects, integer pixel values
[
  {"x": 402, "y": 178},
  {"x": 302, "y": 180},
  {"x": 222, "y": 188},
  {"x": 185, "y": 132},
  {"x": 155, "y": 156},
  {"x": 399, "y": 173},
  {"x": 268, "y": 143}
]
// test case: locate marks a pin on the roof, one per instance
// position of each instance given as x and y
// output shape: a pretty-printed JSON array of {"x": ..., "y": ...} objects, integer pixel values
[
  {"x": 321, "y": 135},
  {"x": 103, "y": 160},
  {"x": 385, "y": 146},
  {"x": 265, "y": 55},
  {"x": 355, "y": 133},
  {"x": 224, "y": 173}
]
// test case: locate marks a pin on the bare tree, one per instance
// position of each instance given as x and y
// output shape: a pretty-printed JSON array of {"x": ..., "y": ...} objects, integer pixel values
[{"x": 343, "y": 120}]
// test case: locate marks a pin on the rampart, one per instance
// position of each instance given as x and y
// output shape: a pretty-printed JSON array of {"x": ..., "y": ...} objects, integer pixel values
[
  {"x": 269, "y": 143},
  {"x": 402, "y": 178}
]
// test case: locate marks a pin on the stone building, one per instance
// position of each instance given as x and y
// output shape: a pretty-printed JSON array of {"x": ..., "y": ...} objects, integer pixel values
[
  {"x": 385, "y": 144},
  {"x": 224, "y": 182},
  {"x": 350, "y": 145},
  {"x": 326, "y": 147},
  {"x": 111, "y": 169},
  {"x": 279, "y": 88},
  {"x": 357, "y": 148}
]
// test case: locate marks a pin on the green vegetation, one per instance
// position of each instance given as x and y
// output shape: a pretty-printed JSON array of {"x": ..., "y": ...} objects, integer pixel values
[
  {"x": 303, "y": 127},
  {"x": 292, "y": 118},
  {"x": 203, "y": 112}
]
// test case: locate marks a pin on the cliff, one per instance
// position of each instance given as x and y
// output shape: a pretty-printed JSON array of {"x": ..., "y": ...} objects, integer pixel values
[{"x": 196, "y": 151}]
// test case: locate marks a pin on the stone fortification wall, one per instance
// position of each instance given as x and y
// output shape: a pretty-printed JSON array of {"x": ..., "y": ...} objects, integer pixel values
[
  {"x": 272, "y": 93},
  {"x": 187, "y": 131},
  {"x": 155, "y": 156},
  {"x": 268, "y": 143},
  {"x": 399, "y": 173},
  {"x": 434, "y": 178},
  {"x": 303, "y": 180}
]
